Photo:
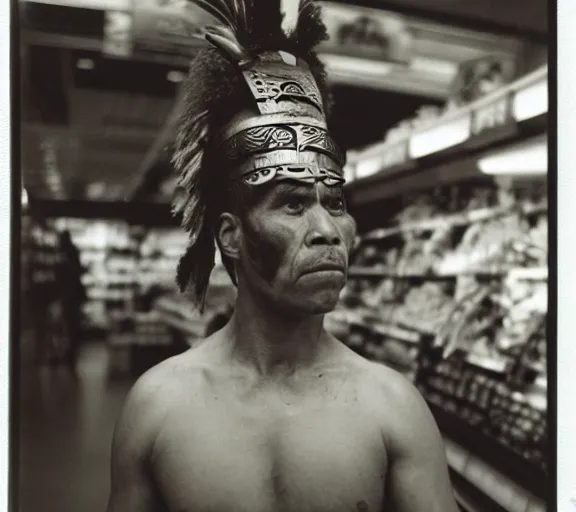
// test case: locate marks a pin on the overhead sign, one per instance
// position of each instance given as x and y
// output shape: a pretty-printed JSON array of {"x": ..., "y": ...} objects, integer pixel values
[
  {"x": 99, "y": 5},
  {"x": 49, "y": 159},
  {"x": 366, "y": 33},
  {"x": 168, "y": 26},
  {"x": 175, "y": 27},
  {"x": 493, "y": 115},
  {"x": 117, "y": 34}
]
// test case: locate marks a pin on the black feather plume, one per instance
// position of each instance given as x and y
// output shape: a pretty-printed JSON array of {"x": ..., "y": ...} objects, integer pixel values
[
  {"x": 196, "y": 265},
  {"x": 310, "y": 30}
]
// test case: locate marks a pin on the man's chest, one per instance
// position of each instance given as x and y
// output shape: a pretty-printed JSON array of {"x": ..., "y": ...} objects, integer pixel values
[{"x": 235, "y": 457}]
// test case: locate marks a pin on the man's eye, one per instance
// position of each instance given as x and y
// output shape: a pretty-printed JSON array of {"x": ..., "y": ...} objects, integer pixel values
[
  {"x": 336, "y": 205},
  {"x": 294, "y": 205}
]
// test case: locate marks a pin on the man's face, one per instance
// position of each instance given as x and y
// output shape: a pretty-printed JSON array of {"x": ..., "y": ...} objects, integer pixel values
[{"x": 296, "y": 245}]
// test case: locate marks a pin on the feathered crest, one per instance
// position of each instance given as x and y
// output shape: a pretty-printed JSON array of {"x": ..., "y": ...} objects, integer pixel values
[
  {"x": 215, "y": 91},
  {"x": 254, "y": 26}
]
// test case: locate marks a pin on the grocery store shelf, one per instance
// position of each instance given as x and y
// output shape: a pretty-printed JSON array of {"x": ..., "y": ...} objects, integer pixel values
[
  {"x": 488, "y": 452},
  {"x": 445, "y": 150},
  {"x": 453, "y": 220},
  {"x": 529, "y": 274},
  {"x": 480, "y": 487},
  {"x": 493, "y": 365},
  {"x": 361, "y": 272},
  {"x": 470, "y": 498},
  {"x": 145, "y": 214},
  {"x": 536, "y": 273},
  {"x": 182, "y": 325},
  {"x": 390, "y": 330}
]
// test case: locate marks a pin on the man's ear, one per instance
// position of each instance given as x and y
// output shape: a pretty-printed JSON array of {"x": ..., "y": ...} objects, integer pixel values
[{"x": 229, "y": 235}]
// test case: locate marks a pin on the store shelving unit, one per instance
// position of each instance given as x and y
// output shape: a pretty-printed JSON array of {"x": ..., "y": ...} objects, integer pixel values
[
  {"x": 179, "y": 313},
  {"x": 446, "y": 150},
  {"x": 493, "y": 468},
  {"x": 129, "y": 274}
]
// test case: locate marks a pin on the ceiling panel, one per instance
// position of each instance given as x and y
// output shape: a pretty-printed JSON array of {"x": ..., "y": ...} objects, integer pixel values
[
  {"x": 117, "y": 110},
  {"x": 65, "y": 162},
  {"x": 528, "y": 18}
]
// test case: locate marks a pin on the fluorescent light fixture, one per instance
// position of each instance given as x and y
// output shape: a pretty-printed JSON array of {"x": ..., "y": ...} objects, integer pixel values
[
  {"x": 368, "y": 167},
  {"x": 175, "y": 76},
  {"x": 526, "y": 158},
  {"x": 440, "y": 137},
  {"x": 531, "y": 101},
  {"x": 358, "y": 68},
  {"x": 434, "y": 66},
  {"x": 86, "y": 64},
  {"x": 349, "y": 173},
  {"x": 24, "y": 198},
  {"x": 101, "y": 5}
]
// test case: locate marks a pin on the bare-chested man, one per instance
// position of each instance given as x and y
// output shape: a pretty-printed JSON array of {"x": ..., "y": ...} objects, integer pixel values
[{"x": 271, "y": 413}]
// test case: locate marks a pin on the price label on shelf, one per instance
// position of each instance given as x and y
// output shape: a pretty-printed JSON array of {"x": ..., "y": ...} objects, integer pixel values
[
  {"x": 490, "y": 116},
  {"x": 395, "y": 154},
  {"x": 397, "y": 333}
]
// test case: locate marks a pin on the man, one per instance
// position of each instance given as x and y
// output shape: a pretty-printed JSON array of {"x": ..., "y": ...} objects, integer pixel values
[
  {"x": 271, "y": 413},
  {"x": 73, "y": 295}
]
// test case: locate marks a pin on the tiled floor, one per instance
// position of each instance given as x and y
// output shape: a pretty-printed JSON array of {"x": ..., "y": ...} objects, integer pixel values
[{"x": 66, "y": 426}]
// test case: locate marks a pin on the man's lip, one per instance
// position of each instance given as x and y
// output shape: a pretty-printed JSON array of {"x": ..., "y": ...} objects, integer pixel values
[{"x": 335, "y": 267}]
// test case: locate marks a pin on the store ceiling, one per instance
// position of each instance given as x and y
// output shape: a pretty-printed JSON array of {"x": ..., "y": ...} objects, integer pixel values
[
  {"x": 90, "y": 121},
  {"x": 527, "y": 18}
]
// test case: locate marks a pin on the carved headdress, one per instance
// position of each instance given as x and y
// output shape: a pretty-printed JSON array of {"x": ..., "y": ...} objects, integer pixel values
[{"x": 256, "y": 110}]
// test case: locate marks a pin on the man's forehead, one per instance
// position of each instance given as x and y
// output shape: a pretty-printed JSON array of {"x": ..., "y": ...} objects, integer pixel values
[{"x": 293, "y": 186}]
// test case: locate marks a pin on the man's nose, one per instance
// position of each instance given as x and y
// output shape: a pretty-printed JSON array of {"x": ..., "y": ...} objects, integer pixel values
[{"x": 323, "y": 229}]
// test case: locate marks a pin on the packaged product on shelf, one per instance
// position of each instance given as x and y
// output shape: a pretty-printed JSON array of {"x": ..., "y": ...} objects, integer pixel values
[
  {"x": 419, "y": 207},
  {"x": 486, "y": 246},
  {"x": 369, "y": 256},
  {"x": 526, "y": 302},
  {"x": 399, "y": 355},
  {"x": 425, "y": 307},
  {"x": 413, "y": 258},
  {"x": 480, "y": 77},
  {"x": 363, "y": 293},
  {"x": 472, "y": 321}
]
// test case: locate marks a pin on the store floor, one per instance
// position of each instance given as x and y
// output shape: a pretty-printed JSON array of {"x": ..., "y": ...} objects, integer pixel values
[{"x": 66, "y": 427}]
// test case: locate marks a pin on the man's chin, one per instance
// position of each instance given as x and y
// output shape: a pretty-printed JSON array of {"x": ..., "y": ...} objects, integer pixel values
[
  {"x": 317, "y": 304},
  {"x": 322, "y": 309}
]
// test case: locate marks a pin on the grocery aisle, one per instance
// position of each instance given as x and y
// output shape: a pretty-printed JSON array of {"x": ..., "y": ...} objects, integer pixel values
[{"x": 66, "y": 426}]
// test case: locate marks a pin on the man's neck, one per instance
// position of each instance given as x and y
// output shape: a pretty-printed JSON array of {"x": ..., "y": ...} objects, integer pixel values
[{"x": 273, "y": 342}]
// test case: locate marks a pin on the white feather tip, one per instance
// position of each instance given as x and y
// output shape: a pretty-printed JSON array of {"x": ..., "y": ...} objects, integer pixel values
[{"x": 290, "y": 11}]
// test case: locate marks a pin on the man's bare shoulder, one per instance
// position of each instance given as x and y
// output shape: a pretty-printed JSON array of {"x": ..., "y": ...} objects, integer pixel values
[
  {"x": 385, "y": 389},
  {"x": 156, "y": 394},
  {"x": 398, "y": 404},
  {"x": 394, "y": 385},
  {"x": 165, "y": 380},
  {"x": 382, "y": 380}
]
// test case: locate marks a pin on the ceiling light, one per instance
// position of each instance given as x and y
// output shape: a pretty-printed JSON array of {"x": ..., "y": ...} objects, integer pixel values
[
  {"x": 99, "y": 5},
  {"x": 86, "y": 64},
  {"x": 531, "y": 101},
  {"x": 24, "y": 198},
  {"x": 368, "y": 166},
  {"x": 175, "y": 76},
  {"x": 356, "y": 68},
  {"x": 526, "y": 158},
  {"x": 434, "y": 66},
  {"x": 440, "y": 137}
]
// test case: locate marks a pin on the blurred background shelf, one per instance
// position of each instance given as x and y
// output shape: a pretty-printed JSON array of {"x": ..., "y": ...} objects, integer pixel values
[{"x": 528, "y": 273}]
